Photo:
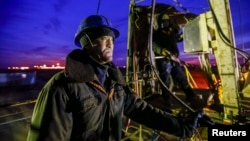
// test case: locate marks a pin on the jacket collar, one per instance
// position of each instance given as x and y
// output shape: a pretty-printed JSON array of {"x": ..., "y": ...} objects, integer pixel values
[{"x": 79, "y": 68}]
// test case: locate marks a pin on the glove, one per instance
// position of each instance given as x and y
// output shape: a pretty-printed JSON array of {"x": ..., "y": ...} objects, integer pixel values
[
  {"x": 170, "y": 56},
  {"x": 165, "y": 52},
  {"x": 206, "y": 121},
  {"x": 190, "y": 124},
  {"x": 196, "y": 103}
]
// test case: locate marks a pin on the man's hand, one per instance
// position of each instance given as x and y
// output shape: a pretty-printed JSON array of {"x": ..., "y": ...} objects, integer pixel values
[
  {"x": 170, "y": 56},
  {"x": 165, "y": 52},
  {"x": 190, "y": 124}
]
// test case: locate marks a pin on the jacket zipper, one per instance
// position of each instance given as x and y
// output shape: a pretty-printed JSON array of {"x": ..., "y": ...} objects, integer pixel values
[{"x": 109, "y": 95}]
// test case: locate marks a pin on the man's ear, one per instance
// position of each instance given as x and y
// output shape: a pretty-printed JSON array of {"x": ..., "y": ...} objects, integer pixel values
[
  {"x": 86, "y": 41},
  {"x": 89, "y": 48}
]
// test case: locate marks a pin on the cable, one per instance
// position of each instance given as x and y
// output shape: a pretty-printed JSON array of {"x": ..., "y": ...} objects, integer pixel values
[
  {"x": 152, "y": 64},
  {"x": 244, "y": 54},
  {"x": 98, "y": 7},
  {"x": 223, "y": 36},
  {"x": 15, "y": 120},
  {"x": 207, "y": 121}
]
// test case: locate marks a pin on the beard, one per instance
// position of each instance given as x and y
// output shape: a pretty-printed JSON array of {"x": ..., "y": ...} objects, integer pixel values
[{"x": 102, "y": 56}]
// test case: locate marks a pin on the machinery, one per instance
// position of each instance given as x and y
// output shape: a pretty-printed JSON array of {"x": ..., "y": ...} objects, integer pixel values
[{"x": 210, "y": 37}]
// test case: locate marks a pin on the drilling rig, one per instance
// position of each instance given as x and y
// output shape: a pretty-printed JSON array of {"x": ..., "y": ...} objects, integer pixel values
[{"x": 208, "y": 36}]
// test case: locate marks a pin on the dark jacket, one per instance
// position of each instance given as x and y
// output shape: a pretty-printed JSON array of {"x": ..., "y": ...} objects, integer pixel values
[
  {"x": 167, "y": 41},
  {"x": 74, "y": 106}
]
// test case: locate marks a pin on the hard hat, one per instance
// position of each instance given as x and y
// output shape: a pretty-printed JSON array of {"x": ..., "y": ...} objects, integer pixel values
[
  {"x": 94, "y": 21},
  {"x": 163, "y": 20},
  {"x": 164, "y": 17},
  {"x": 168, "y": 23}
]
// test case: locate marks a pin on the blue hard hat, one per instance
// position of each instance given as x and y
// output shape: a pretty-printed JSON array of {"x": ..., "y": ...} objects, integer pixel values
[{"x": 94, "y": 21}]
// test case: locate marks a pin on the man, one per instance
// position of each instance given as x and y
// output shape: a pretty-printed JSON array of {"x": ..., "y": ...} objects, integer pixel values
[
  {"x": 87, "y": 100},
  {"x": 165, "y": 40}
]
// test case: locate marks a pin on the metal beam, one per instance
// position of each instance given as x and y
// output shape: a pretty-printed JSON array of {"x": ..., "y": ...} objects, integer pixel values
[{"x": 223, "y": 47}]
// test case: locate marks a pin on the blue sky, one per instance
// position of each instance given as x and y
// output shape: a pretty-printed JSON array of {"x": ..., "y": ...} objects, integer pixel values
[{"x": 35, "y": 32}]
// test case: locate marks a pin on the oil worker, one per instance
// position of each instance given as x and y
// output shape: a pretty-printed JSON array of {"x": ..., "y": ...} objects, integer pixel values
[
  {"x": 165, "y": 40},
  {"x": 89, "y": 98}
]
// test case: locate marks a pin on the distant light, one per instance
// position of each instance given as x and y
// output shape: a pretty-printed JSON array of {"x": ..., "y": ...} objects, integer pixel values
[
  {"x": 24, "y": 68},
  {"x": 24, "y": 76},
  {"x": 44, "y": 66},
  {"x": 18, "y": 68},
  {"x": 57, "y": 66}
]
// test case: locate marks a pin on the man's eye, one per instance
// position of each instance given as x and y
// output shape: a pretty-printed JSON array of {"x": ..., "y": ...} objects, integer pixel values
[{"x": 104, "y": 38}]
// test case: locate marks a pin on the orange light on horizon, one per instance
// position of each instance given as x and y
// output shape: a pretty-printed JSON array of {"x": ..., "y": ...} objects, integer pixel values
[
  {"x": 57, "y": 66},
  {"x": 44, "y": 66}
]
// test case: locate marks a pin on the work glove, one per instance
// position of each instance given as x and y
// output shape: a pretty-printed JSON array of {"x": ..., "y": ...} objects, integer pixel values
[
  {"x": 189, "y": 124},
  {"x": 165, "y": 52},
  {"x": 170, "y": 56},
  {"x": 206, "y": 121}
]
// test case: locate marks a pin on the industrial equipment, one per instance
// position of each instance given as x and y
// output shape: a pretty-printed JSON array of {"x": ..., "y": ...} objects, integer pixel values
[{"x": 209, "y": 36}]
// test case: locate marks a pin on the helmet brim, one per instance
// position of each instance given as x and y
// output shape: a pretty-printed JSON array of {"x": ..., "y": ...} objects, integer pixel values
[{"x": 81, "y": 33}]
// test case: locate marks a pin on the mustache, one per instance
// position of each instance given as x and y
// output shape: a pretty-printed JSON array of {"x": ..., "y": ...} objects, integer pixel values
[{"x": 107, "y": 50}]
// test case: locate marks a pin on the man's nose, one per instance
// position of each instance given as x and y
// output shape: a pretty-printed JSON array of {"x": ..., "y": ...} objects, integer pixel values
[{"x": 109, "y": 42}]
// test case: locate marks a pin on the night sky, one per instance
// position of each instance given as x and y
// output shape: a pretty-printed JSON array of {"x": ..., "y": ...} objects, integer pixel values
[{"x": 37, "y": 32}]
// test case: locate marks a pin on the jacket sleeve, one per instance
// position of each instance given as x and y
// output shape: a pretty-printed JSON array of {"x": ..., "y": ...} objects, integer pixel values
[
  {"x": 140, "y": 111},
  {"x": 157, "y": 49},
  {"x": 51, "y": 119}
]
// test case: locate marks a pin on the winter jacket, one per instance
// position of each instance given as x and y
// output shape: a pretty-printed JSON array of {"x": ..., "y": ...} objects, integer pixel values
[
  {"x": 74, "y": 106},
  {"x": 162, "y": 40}
]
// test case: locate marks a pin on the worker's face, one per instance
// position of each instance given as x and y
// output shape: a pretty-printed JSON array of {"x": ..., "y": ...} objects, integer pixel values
[{"x": 102, "y": 49}]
